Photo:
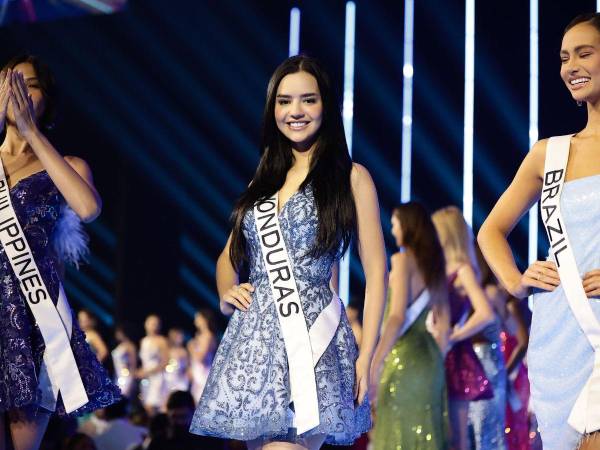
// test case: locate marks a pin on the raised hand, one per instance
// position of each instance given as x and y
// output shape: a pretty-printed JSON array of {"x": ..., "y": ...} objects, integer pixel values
[
  {"x": 541, "y": 275},
  {"x": 22, "y": 104},
  {"x": 239, "y": 296},
  {"x": 5, "y": 77},
  {"x": 591, "y": 283}
]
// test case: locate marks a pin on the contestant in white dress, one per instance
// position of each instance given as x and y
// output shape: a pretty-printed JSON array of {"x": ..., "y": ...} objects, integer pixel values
[
  {"x": 202, "y": 350},
  {"x": 177, "y": 370},
  {"x": 154, "y": 354},
  {"x": 124, "y": 357}
]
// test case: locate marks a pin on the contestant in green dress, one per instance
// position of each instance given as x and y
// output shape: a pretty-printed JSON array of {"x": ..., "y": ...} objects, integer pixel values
[{"x": 408, "y": 366}]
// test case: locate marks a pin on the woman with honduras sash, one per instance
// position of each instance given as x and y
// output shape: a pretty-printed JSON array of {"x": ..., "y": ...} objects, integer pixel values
[
  {"x": 408, "y": 366},
  {"x": 45, "y": 363},
  {"x": 563, "y": 173},
  {"x": 287, "y": 373}
]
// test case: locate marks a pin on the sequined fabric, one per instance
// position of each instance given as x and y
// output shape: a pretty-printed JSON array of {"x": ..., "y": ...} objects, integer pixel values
[
  {"x": 411, "y": 402},
  {"x": 465, "y": 377},
  {"x": 560, "y": 357},
  {"x": 487, "y": 417},
  {"x": 517, "y": 415},
  {"x": 37, "y": 204},
  {"x": 247, "y": 393}
]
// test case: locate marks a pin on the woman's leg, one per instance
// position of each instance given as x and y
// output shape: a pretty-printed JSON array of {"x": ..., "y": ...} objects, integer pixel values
[
  {"x": 3, "y": 431},
  {"x": 310, "y": 443},
  {"x": 459, "y": 424},
  {"x": 27, "y": 428},
  {"x": 591, "y": 442}
]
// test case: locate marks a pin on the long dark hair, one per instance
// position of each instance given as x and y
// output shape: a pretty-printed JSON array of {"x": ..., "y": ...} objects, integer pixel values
[
  {"x": 329, "y": 173},
  {"x": 419, "y": 235}
]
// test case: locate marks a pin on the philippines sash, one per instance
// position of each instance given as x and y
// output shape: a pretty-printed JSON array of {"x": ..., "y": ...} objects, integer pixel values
[
  {"x": 303, "y": 347},
  {"x": 59, "y": 372},
  {"x": 585, "y": 415}
]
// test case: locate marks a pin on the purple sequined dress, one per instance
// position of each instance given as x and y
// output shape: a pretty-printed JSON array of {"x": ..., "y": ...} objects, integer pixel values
[
  {"x": 37, "y": 204},
  {"x": 465, "y": 376}
]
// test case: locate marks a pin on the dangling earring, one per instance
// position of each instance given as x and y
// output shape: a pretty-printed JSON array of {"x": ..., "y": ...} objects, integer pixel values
[{"x": 579, "y": 103}]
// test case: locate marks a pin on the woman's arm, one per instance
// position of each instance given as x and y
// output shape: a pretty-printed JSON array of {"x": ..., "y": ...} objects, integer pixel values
[
  {"x": 372, "y": 255},
  {"x": 231, "y": 295},
  {"x": 483, "y": 313},
  {"x": 522, "y": 336},
  {"x": 205, "y": 346},
  {"x": 132, "y": 358},
  {"x": 522, "y": 193},
  {"x": 96, "y": 341},
  {"x": 399, "y": 289},
  {"x": 72, "y": 176}
]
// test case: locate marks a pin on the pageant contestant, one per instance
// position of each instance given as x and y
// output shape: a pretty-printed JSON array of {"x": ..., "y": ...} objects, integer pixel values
[
  {"x": 202, "y": 350},
  {"x": 87, "y": 323},
  {"x": 470, "y": 312},
  {"x": 124, "y": 357},
  {"x": 513, "y": 344},
  {"x": 177, "y": 374},
  {"x": 287, "y": 373},
  {"x": 487, "y": 417},
  {"x": 154, "y": 355},
  {"x": 408, "y": 366},
  {"x": 563, "y": 174},
  {"x": 46, "y": 365}
]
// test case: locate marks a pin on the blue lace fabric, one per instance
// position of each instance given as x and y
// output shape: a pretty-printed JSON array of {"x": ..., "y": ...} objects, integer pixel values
[
  {"x": 37, "y": 203},
  {"x": 247, "y": 394}
]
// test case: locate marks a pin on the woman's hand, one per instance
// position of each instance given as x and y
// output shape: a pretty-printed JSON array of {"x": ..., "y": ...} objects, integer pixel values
[
  {"x": 540, "y": 275},
  {"x": 239, "y": 296},
  {"x": 591, "y": 283},
  {"x": 5, "y": 77},
  {"x": 361, "y": 382},
  {"x": 22, "y": 104}
]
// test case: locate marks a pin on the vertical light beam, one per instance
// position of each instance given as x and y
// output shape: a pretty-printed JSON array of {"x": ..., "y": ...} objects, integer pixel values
[
  {"x": 348, "y": 115},
  {"x": 533, "y": 116},
  {"x": 407, "y": 92},
  {"x": 294, "y": 48},
  {"x": 469, "y": 111},
  {"x": 533, "y": 121}
]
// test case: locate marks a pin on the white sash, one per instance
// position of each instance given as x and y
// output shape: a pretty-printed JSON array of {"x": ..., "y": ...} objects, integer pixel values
[
  {"x": 59, "y": 372},
  {"x": 414, "y": 311},
  {"x": 585, "y": 415},
  {"x": 303, "y": 347}
]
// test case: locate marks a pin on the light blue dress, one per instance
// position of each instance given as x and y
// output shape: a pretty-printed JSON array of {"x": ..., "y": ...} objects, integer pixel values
[
  {"x": 560, "y": 357},
  {"x": 247, "y": 393},
  {"x": 488, "y": 417}
]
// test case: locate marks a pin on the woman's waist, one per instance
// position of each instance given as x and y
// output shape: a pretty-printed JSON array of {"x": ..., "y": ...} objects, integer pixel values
[{"x": 314, "y": 279}]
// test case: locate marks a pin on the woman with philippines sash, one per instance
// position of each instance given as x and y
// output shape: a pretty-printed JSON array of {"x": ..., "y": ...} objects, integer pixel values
[
  {"x": 45, "y": 363},
  {"x": 287, "y": 373},
  {"x": 563, "y": 173},
  {"x": 470, "y": 313},
  {"x": 408, "y": 366}
]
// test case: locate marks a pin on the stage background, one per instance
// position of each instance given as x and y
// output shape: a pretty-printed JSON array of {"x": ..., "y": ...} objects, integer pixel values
[{"x": 164, "y": 100}]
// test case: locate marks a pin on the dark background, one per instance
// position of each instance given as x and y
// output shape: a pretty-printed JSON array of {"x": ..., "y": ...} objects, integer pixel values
[{"x": 164, "y": 101}]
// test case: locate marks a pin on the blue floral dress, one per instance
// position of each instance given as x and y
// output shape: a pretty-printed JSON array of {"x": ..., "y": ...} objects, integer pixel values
[{"x": 247, "y": 394}]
